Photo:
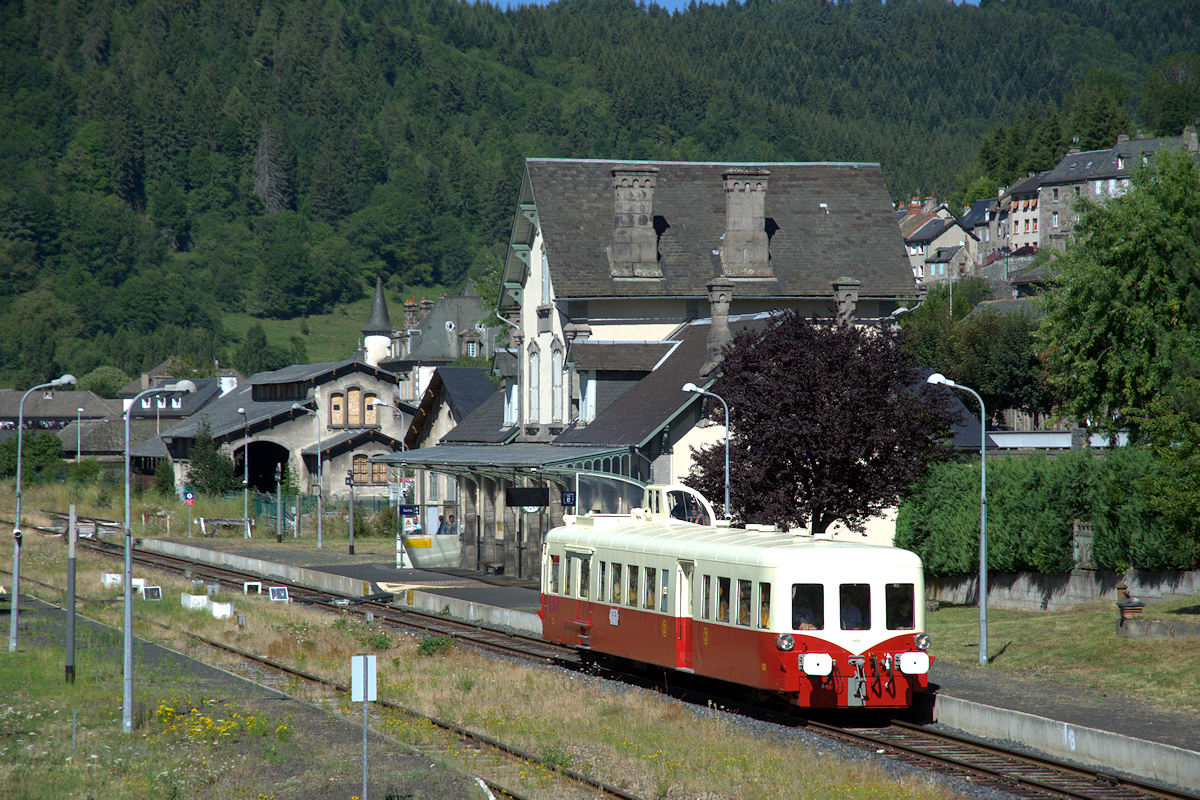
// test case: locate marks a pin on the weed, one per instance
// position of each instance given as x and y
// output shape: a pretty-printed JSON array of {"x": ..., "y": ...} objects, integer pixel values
[{"x": 434, "y": 645}]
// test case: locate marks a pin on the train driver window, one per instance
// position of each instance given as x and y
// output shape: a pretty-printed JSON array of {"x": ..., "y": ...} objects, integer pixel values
[
  {"x": 808, "y": 607},
  {"x": 899, "y": 597},
  {"x": 743, "y": 617},
  {"x": 722, "y": 599},
  {"x": 706, "y": 610},
  {"x": 855, "y": 600},
  {"x": 585, "y": 576},
  {"x": 764, "y": 605},
  {"x": 616, "y": 584},
  {"x": 631, "y": 595},
  {"x": 651, "y": 574},
  {"x": 553, "y": 574},
  {"x": 687, "y": 508},
  {"x": 665, "y": 584}
]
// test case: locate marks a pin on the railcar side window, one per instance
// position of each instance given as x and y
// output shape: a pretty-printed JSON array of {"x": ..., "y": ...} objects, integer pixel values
[
  {"x": 616, "y": 584},
  {"x": 706, "y": 610},
  {"x": 553, "y": 574},
  {"x": 664, "y": 583},
  {"x": 855, "y": 600},
  {"x": 585, "y": 576},
  {"x": 569, "y": 577},
  {"x": 743, "y": 617},
  {"x": 808, "y": 607},
  {"x": 722, "y": 599},
  {"x": 899, "y": 611},
  {"x": 631, "y": 597},
  {"x": 603, "y": 582},
  {"x": 764, "y": 605},
  {"x": 651, "y": 574}
]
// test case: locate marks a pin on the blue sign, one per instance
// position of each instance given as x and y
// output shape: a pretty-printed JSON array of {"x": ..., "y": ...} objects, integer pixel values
[
  {"x": 189, "y": 496},
  {"x": 409, "y": 511},
  {"x": 568, "y": 498}
]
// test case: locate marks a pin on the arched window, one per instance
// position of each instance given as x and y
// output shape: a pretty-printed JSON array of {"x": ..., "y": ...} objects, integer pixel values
[
  {"x": 370, "y": 410},
  {"x": 361, "y": 469},
  {"x": 556, "y": 384},
  {"x": 337, "y": 409},
  {"x": 354, "y": 407},
  {"x": 535, "y": 386}
]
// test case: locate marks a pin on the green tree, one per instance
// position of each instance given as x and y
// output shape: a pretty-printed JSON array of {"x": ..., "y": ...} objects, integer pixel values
[
  {"x": 164, "y": 478},
  {"x": 210, "y": 472},
  {"x": 41, "y": 453},
  {"x": 1123, "y": 316},
  {"x": 814, "y": 445},
  {"x": 105, "y": 381},
  {"x": 1171, "y": 94}
]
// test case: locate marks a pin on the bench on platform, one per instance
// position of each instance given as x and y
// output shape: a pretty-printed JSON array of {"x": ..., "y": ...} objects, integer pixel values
[
  {"x": 493, "y": 568},
  {"x": 210, "y": 525}
]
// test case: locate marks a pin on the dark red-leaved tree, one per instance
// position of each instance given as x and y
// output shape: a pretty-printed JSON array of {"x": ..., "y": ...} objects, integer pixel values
[{"x": 827, "y": 423}]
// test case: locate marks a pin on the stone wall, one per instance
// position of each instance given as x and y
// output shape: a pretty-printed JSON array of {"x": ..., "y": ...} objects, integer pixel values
[{"x": 1052, "y": 592}]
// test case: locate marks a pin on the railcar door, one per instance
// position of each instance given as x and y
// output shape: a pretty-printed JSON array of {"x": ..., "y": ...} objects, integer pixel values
[
  {"x": 579, "y": 586},
  {"x": 683, "y": 614}
]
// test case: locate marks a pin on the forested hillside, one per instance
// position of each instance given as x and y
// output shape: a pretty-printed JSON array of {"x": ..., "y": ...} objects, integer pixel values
[{"x": 166, "y": 162}]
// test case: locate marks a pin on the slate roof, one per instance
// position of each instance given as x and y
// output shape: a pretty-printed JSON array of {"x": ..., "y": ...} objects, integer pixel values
[
  {"x": 942, "y": 255},
  {"x": 189, "y": 403},
  {"x": 617, "y": 356},
  {"x": 932, "y": 228},
  {"x": 318, "y": 373},
  {"x": 854, "y": 234},
  {"x": 450, "y": 316},
  {"x": 466, "y": 388},
  {"x": 61, "y": 405},
  {"x": 976, "y": 215},
  {"x": 484, "y": 425},
  {"x": 641, "y": 411},
  {"x": 224, "y": 421},
  {"x": 350, "y": 440},
  {"x": 1103, "y": 164},
  {"x": 378, "y": 323},
  {"x": 107, "y": 437}
]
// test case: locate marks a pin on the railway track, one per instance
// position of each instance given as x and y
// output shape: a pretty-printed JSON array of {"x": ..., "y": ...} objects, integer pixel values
[{"x": 982, "y": 763}]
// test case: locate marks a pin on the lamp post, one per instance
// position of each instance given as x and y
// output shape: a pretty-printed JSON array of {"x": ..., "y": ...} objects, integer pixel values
[
  {"x": 350, "y": 483},
  {"x": 246, "y": 471},
  {"x": 78, "y": 434},
  {"x": 938, "y": 378},
  {"x": 691, "y": 387},
  {"x": 16, "y": 581},
  {"x": 127, "y": 698},
  {"x": 320, "y": 482}
]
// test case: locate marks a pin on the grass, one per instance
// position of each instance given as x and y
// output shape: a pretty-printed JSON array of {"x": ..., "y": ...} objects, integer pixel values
[
  {"x": 1079, "y": 645},
  {"x": 630, "y": 738}
]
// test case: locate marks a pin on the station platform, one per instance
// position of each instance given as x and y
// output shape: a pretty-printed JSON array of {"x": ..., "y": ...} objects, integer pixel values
[{"x": 1057, "y": 717}]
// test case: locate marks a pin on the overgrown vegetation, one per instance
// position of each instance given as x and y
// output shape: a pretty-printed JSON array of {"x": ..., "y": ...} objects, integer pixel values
[{"x": 1031, "y": 504}]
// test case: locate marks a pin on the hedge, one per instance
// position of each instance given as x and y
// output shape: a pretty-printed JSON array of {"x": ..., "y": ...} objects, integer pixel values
[{"x": 1031, "y": 503}]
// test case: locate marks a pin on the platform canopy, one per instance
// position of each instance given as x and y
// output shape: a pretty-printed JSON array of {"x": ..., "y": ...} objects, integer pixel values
[{"x": 530, "y": 460}]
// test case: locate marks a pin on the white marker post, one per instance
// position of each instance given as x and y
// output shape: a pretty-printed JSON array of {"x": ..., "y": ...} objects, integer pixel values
[{"x": 362, "y": 689}]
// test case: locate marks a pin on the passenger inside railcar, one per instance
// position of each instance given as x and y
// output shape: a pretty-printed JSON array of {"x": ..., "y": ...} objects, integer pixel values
[
  {"x": 616, "y": 584},
  {"x": 900, "y": 606},
  {"x": 856, "y": 606},
  {"x": 722, "y": 599},
  {"x": 631, "y": 595},
  {"x": 743, "y": 617},
  {"x": 687, "y": 508},
  {"x": 808, "y": 607}
]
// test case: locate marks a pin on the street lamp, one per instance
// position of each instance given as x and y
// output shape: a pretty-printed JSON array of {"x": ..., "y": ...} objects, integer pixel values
[
  {"x": 691, "y": 387},
  {"x": 940, "y": 379},
  {"x": 16, "y": 581},
  {"x": 320, "y": 482},
  {"x": 78, "y": 435},
  {"x": 127, "y": 699},
  {"x": 246, "y": 470}
]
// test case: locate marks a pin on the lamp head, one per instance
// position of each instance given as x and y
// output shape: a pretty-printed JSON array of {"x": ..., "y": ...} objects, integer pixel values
[
  {"x": 65, "y": 380},
  {"x": 305, "y": 409},
  {"x": 691, "y": 387},
  {"x": 184, "y": 386},
  {"x": 242, "y": 411},
  {"x": 939, "y": 378}
]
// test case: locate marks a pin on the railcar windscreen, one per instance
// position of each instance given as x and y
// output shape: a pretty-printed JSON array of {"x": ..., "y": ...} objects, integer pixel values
[{"x": 899, "y": 598}]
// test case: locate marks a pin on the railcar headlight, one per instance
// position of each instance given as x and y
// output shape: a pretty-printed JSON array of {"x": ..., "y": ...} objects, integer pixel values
[
  {"x": 785, "y": 642},
  {"x": 921, "y": 641}
]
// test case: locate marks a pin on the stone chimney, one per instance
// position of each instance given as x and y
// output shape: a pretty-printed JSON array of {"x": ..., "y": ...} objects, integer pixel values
[
  {"x": 1189, "y": 140},
  {"x": 1122, "y": 137},
  {"x": 426, "y": 307},
  {"x": 410, "y": 314},
  {"x": 744, "y": 250},
  {"x": 720, "y": 295},
  {"x": 633, "y": 252},
  {"x": 845, "y": 294},
  {"x": 1074, "y": 145},
  {"x": 914, "y": 206}
]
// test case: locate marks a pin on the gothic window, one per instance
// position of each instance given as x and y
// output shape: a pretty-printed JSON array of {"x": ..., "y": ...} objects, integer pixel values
[
  {"x": 556, "y": 384},
  {"x": 534, "y": 387}
]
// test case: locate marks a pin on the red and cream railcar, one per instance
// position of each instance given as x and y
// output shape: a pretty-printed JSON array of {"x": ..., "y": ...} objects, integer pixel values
[{"x": 827, "y": 624}]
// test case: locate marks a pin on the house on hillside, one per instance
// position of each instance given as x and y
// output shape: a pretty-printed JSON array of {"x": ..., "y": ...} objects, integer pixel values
[
  {"x": 1096, "y": 175},
  {"x": 940, "y": 248},
  {"x": 623, "y": 281}
]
